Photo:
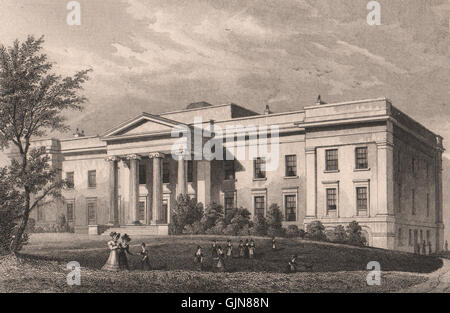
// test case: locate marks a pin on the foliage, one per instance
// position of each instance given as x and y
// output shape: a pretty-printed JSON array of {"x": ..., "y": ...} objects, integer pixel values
[
  {"x": 32, "y": 102},
  {"x": 292, "y": 231},
  {"x": 338, "y": 235},
  {"x": 316, "y": 231},
  {"x": 186, "y": 211},
  {"x": 259, "y": 225},
  {"x": 213, "y": 213},
  {"x": 274, "y": 221},
  {"x": 195, "y": 228},
  {"x": 354, "y": 235}
]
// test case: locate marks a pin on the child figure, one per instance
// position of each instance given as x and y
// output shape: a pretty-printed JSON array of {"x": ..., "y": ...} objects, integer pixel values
[
  {"x": 292, "y": 264},
  {"x": 214, "y": 249},
  {"x": 246, "y": 246},
  {"x": 274, "y": 245},
  {"x": 145, "y": 262},
  {"x": 241, "y": 249},
  {"x": 251, "y": 249},
  {"x": 198, "y": 257},
  {"x": 220, "y": 260},
  {"x": 229, "y": 249}
]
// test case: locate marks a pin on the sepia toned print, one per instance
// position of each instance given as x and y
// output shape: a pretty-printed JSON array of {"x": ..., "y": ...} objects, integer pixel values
[{"x": 224, "y": 146}]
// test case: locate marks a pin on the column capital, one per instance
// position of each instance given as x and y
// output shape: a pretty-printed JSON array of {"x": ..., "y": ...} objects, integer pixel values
[
  {"x": 112, "y": 158},
  {"x": 133, "y": 157},
  {"x": 384, "y": 145},
  {"x": 153, "y": 155},
  {"x": 310, "y": 150}
]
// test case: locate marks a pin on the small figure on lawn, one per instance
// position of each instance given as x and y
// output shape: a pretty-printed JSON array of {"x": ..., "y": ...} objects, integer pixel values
[
  {"x": 292, "y": 264},
  {"x": 113, "y": 260},
  {"x": 241, "y": 249},
  {"x": 229, "y": 249},
  {"x": 251, "y": 249},
  {"x": 124, "y": 247},
  {"x": 274, "y": 244},
  {"x": 246, "y": 251},
  {"x": 220, "y": 259},
  {"x": 214, "y": 249},
  {"x": 430, "y": 250},
  {"x": 145, "y": 262},
  {"x": 198, "y": 257},
  {"x": 424, "y": 248}
]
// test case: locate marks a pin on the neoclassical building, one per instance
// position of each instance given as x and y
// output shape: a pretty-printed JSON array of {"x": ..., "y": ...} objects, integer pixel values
[{"x": 360, "y": 160}]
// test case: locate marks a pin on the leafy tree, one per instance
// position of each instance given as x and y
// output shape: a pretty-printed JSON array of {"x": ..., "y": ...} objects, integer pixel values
[
  {"x": 316, "y": 231},
  {"x": 259, "y": 225},
  {"x": 32, "y": 102},
  {"x": 241, "y": 218},
  {"x": 213, "y": 213},
  {"x": 274, "y": 220},
  {"x": 186, "y": 211},
  {"x": 354, "y": 235}
]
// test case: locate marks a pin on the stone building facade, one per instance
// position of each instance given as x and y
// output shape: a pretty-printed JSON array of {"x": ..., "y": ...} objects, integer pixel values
[{"x": 361, "y": 160}]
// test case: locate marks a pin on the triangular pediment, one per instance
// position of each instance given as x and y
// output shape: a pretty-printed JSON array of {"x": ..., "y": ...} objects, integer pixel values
[{"x": 143, "y": 124}]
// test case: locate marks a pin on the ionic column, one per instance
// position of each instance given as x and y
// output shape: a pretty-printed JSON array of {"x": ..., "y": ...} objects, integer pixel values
[
  {"x": 385, "y": 180},
  {"x": 181, "y": 185},
  {"x": 311, "y": 184},
  {"x": 157, "y": 187},
  {"x": 134, "y": 186},
  {"x": 113, "y": 190}
]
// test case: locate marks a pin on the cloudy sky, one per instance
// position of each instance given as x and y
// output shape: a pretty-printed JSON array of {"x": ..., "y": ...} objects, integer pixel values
[{"x": 157, "y": 56}]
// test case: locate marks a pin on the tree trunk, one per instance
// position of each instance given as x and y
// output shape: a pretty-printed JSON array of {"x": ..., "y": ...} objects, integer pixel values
[{"x": 23, "y": 225}]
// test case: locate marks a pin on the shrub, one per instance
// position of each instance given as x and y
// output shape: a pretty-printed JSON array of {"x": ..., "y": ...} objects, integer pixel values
[
  {"x": 292, "y": 231},
  {"x": 316, "y": 231},
  {"x": 7, "y": 225},
  {"x": 186, "y": 212},
  {"x": 301, "y": 233},
  {"x": 274, "y": 221},
  {"x": 244, "y": 231},
  {"x": 354, "y": 236},
  {"x": 259, "y": 225},
  {"x": 213, "y": 213},
  {"x": 241, "y": 218},
  {"x": 31, "y": 225},
  {"x": 195, "y": 228},
  {"x": 231, "y": 230},
  {"x": 338, "y": 234},
  {"x": 217, "y": 229}
]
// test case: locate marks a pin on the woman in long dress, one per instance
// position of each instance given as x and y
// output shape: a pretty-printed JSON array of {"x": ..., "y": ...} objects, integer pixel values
[
  {"x": 229, "y": 249},
  {"x": 113, "y": 261},
  {"x": 123, "y": 250}
]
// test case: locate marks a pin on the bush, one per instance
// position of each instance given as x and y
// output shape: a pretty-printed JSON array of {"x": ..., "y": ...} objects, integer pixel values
[
  {"x": 337, "y": 234},
  {"x": 244, "y": 231},
  {"x": 213, "y": 213},
  {"x": 316, "y": 231},
  {"x": 354, "y": 236},
  {"x": 231, "y": 230},
  {"x": 7, "y": 226},
  {"x": 241, "y": 218},
  {"x": 186, "y": 212},
  {"x": 301, "y": 233},
  {"x": 292, "y": 231},
  {"x": 217, "y": 229},
  {"x": 274, "y": 221},
  {"x": 259, "y": 225},
  {"x": 31, "y": 225},
  {"x": 195, "y": 228}
]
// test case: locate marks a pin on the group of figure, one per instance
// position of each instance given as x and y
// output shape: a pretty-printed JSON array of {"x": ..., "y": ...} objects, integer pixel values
[{"x": 119, "y": 247}]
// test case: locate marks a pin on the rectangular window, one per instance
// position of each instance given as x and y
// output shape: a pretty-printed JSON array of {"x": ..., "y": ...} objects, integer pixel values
[
  {"x": 70, "y": 212},
  {"x": 166, "y": 171},
  {"x": 413, "y": 202},
  {"x": 229, "y": 205},
  {"x": 361, "y": 199},
  {"x": 229, "y": 169},
  {"x": 92, "y": 212},
  {"x": 142, "y": 174},
  {"x": 92, "y": 179},
  {"x": 290, "y": 205},
  {"x": 190, "y": 171},
  {"x": 291, "y": 165},
  {"x": 331, "y": 199},
  {"x": 260, "y": 205},
  {"x": 141, "y": 211},
  {"x": 70, "y": 180},
  {"x": 331, "y": 160},
  {"x": 428, "y": 204},
  {"x": 259, "y": 166},
  {"x": 361, "y": 158}
]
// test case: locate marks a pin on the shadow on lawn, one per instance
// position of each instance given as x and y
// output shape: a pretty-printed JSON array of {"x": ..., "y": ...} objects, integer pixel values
[{"x": 178, "y": 254}]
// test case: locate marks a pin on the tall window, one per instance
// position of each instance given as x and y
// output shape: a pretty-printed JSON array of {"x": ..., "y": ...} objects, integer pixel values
[
  {"x": 259, "y": 166},
  {"x": 428, "y": 204},
  {"x": 141, "y": 211},
  {"x": 413, "y": 202},
  {"x": 142, "y": 174},
  {"x": 229, "y": 204},
  {"x": 92, "y": 179},
  {"x": 92, "y": 212},
  {"x": 331, "y": 160},
  {"x": 190, "y": 171},
  {"x": 229, "y": 169},
  {"x": 361, "y": 200},
  {"x": 331, "y": 200},
  {"x": 291, "y": 165},
  {"x": 70, "y": 213},
  {"x": 260, "y": 205},
  {"x": 166, "y": 171},
  {"x": 290, "y": 205},
  {"x": 361, "y": 158},
  {"x": 70, "y": 180}
]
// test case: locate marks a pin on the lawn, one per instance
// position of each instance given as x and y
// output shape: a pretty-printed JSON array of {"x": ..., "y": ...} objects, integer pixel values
[{"x": 335, "y": 268}]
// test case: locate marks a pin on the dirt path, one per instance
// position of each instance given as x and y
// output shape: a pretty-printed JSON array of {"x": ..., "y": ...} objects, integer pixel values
[{"x": 438, "y": 281}]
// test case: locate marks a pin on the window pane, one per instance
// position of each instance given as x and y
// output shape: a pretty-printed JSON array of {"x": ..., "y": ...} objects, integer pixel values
[
  {"x": 291, "y": 165},
  {"x": 290, "y": 206},
  {"x": 331, "y": 157},
  {"x": 92, "y": 214},
  {"x": 361, "y": 198},
  {"x": 259, "y": 205},
  {"x": 141, "y": 211},
  {"x": 259, "y": 168},
  {"x": 70, "y": 179},
  {"x": 92, "y": 179},
  {"x": 331, "y": 199},
  {"x": 229, "y": 169},
  {"x": 70, "y": 212},
  {"x": 361, "y": 158}
]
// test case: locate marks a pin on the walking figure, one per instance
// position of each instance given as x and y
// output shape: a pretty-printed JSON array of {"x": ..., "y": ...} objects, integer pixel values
[
  {"x": 251, "y": 249},
  {"x": 246, "y": 251},
  {"x": 198, "y": 257},
  {"x": 229, "y": 249},
  {"x": 214, "y": 249},
  {"x": 112, "y": 264},
  {"x": 274, "y": 244},
  {"x": 241, "y": 249},
  {"x": 145, "y": 262},
  {"x": 220, "y": 259},
  {"x": 292, "y": 264},
  {"x": 123, "y": 251}
]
